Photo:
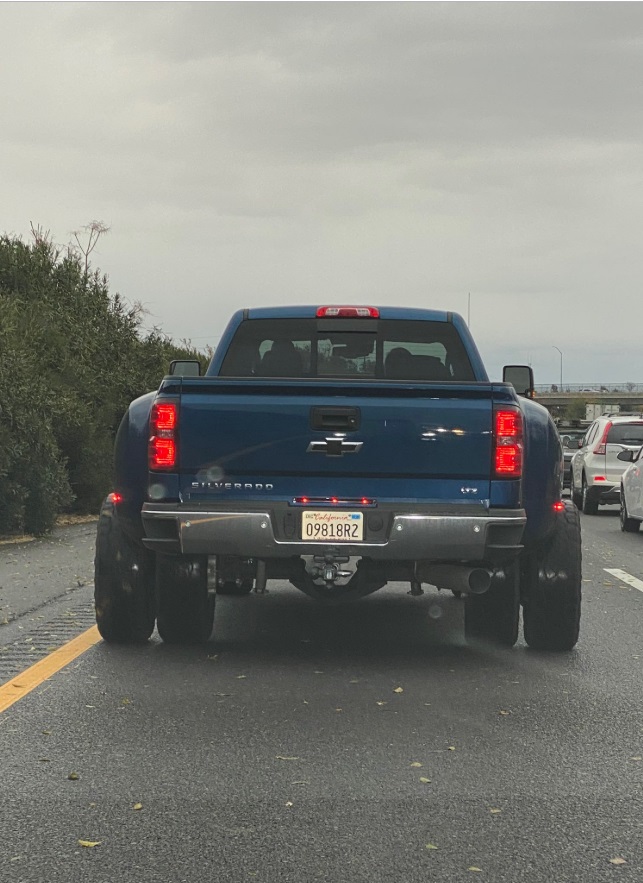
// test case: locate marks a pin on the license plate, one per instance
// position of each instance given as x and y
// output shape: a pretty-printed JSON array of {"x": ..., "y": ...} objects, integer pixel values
[{"x": 322, "y": 526}]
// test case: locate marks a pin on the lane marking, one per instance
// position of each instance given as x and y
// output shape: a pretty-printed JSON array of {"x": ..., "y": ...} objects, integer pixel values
[
  {"x": 625, "y": 577},
  {"x": 32, "y": 677}
]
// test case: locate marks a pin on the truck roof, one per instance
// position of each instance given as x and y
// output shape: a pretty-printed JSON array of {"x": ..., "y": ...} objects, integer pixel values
[{"x": 309, "y": 311}]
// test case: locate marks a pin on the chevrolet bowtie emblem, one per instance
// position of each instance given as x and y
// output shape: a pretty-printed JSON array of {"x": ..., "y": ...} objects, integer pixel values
[{"x": 334, "y": 447}]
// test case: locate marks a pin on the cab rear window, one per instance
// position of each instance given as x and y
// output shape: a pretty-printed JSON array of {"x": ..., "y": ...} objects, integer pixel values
[{"x": 347, "y": 348}]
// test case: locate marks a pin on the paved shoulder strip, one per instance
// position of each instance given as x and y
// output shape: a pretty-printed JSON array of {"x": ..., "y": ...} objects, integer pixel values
[
  {"x": 625, "y": 577},
  {"x": 31, "y": 678}
]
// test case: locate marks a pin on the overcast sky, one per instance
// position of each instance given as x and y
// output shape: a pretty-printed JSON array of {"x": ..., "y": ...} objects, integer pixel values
[{"x": 248, "y": 154}]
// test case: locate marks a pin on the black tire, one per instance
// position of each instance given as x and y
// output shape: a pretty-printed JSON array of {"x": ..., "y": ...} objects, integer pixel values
[
  {"x": 552, "y": 583},
  {"x": 589, "y": 503},
  {"x": 231, "y": 588},
  {"x": 494, "y": 617},
  {"x": 185, "y": 610},
  {"x": 576, "y": 496},
  {"x": 123, "y": 583},
  {"x": 628, "y": 525}
]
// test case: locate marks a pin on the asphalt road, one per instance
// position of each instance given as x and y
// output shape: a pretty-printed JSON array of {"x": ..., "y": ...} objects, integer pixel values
[{"x": 365, "y": 743}]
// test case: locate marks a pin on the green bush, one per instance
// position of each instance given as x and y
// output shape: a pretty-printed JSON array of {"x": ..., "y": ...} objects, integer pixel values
[{"x": 73, "y": 357}]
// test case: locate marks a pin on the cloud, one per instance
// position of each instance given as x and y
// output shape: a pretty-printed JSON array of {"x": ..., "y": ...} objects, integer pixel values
[{"x": 271, "y": 152}]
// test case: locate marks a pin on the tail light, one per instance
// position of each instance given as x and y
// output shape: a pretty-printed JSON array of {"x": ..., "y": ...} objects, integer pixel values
[
  {"x": 508, "y": 443},
  {"x": 162, "y": 448},
  {"x": 601, "y": 446}
]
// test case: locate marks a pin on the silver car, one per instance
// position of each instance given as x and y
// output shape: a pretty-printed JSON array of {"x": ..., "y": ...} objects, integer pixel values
[
  {"x": 596, "y": 468},
  {"x": 632, "y": 490}
]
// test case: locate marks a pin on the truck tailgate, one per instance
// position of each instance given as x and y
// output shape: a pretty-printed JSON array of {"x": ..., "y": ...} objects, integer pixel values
[{"x": 248, "y": 433}]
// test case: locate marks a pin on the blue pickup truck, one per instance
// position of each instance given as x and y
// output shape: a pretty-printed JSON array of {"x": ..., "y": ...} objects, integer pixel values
[{"x": 340, "y": 449}]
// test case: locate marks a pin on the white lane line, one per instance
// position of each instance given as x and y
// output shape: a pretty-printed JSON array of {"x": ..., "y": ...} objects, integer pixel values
[{"x": 625, "y": 577}]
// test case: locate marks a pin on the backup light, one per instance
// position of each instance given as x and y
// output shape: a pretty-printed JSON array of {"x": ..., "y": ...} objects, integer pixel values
[{"x": 348, "y": 313}]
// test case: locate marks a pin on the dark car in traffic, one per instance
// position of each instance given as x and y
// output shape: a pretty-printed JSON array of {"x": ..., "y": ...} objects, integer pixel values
[{"x": 571, "y": 439}]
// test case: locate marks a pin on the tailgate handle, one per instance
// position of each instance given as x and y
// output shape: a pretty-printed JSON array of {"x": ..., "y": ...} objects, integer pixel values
[{"x": 335, "y": 419}]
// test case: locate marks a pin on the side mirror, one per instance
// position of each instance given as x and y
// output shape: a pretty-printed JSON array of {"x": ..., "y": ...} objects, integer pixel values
[
  {"x": 521, "y": 377},
  {"x": 187, "y": 368},
  {"x": 627, "y": 456}
]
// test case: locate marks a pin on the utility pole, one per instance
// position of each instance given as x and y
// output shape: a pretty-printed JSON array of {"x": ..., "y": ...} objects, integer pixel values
[{"x": 561, "y": 366}]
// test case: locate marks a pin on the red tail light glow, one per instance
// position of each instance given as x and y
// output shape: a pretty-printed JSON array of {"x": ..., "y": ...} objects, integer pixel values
[
  {"x": 558, "y": 506},
  {"x": 115, "y": 498},
  {"x": 348, "y": 313},
  {"x": 335, "y": 501},
  {"x": 601, "y": 446},
  {"x": 508, "y": 440},
  {"x": 162, "y": 448}
]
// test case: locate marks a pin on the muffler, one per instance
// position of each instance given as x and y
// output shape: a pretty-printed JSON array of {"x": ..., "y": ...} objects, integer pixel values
[{"x": 472, "y": 580}]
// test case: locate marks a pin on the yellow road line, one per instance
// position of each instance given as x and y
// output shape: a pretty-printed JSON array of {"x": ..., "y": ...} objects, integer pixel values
[{"x": 32, "y": 677}]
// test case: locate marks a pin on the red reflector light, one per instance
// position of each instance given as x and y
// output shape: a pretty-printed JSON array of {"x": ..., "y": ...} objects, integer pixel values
[
  {"x": 348, "y": 313},
  {"x": 115, "y": 498},
  {"x": 599, "y": 478},
  {"x": 558, "y": 506}
]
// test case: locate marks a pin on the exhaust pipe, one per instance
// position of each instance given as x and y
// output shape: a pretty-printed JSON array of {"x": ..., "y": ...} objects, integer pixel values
[{"x": 472, "y": 580}]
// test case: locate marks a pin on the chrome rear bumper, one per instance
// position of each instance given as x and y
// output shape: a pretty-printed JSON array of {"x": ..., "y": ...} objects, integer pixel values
[{"x": 439, "y": 536}]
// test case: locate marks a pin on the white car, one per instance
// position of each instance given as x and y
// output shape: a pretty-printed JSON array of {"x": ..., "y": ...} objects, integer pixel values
[
  {"x": 596, "y": 468},
  {"x": 632, "y": 490}
]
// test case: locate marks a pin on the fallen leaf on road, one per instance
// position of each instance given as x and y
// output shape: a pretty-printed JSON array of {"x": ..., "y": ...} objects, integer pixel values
[
  {"x": 425, "y": 780},
  {"x": 73, "y": 777},
  {"x": 636, "y": 758},
  {"x": 416, "y": 764},
  {"x": 380, "y": 702},
  {"x": 451, "y": 748},
  {"x": 138, "y": 806},
  {"x": 398, "y": 690},
  {"x": 504, "y": 713},
  {"x": 89, "y": 843},
  {"x": 300, "y": 783},
  {"x": 617, "y": 861},
  {"x": 431, "y": 846},
  {"x": 289, "y": 803},
  {"x": 241, "y": 677},
  {"x": 473, "y": 868},
  {"x": 494, "y": 811},
  {"x": 281, "y": 757}
]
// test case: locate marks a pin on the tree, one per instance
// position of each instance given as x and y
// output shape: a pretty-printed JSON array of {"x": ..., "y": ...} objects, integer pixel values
[{"x": 73, "y": 357}]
